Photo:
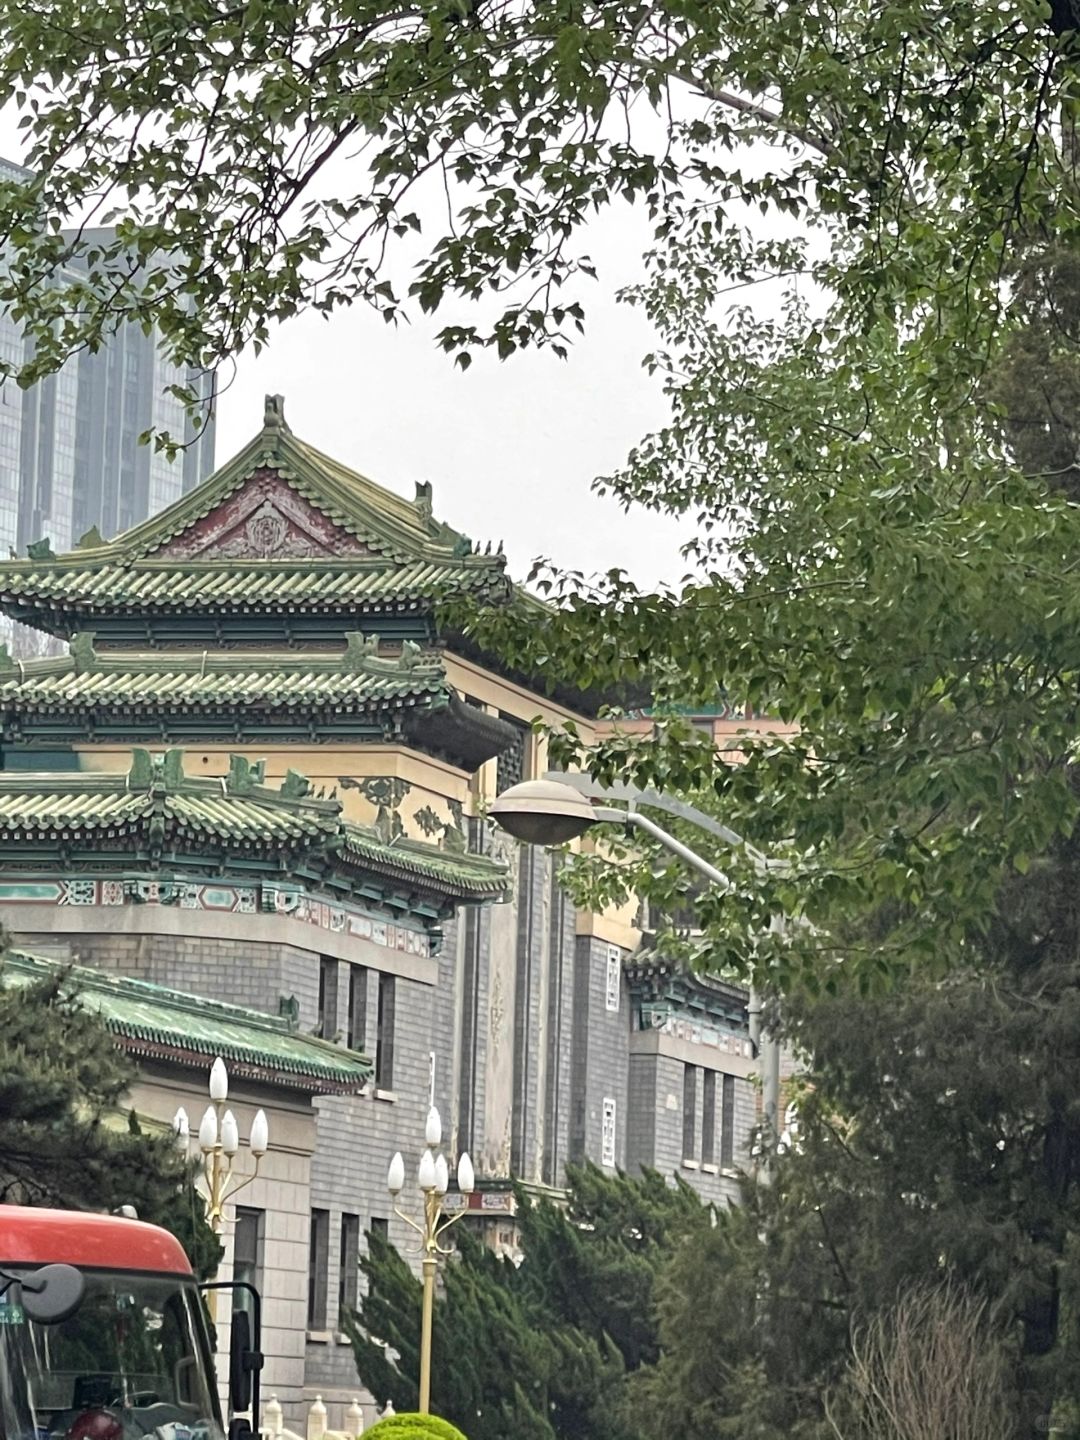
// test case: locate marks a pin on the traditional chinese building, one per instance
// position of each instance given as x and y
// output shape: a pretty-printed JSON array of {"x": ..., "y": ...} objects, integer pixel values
[{"x": 259, "y": 776}]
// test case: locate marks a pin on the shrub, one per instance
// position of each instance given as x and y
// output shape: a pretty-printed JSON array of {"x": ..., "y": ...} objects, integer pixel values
[{"x": 413, "y": 1427}]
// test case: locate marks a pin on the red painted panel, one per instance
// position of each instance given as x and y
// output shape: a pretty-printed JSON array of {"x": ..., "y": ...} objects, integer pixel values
[
  {"x": 265, "y": 519},
  {"x": 106, "y": 1242}
]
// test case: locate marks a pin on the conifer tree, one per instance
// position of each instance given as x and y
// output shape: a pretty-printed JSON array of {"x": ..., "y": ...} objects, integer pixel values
[{"x": 539, "y": 1350}]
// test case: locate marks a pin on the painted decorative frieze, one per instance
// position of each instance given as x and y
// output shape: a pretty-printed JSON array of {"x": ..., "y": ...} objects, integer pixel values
[
  {"x": 265, "y": 519},
  {"x": 269, "y": 898}
]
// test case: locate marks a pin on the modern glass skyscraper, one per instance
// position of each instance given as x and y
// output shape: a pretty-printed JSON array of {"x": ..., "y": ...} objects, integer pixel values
[{"x": 69, "y": 453}]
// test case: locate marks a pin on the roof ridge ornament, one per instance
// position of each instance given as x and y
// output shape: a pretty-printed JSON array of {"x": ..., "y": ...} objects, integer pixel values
[
  {"x": 274, "y": 414},
  {"x": 423, "y": 501},
  {"x": 244, "y": 775},
  {"x": 359, "y": 649},
  {"x": 82, "y": 650},
  {"x": 160, "y": 773}
]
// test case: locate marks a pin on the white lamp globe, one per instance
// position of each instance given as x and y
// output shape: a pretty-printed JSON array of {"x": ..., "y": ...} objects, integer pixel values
[
  {"x": 466, "y": 1179},
  {"x": 230, "y": 1133},
  {"x": 260, "y": 1134},
  {"x": 219, "y": 1081},
  {"x": 426, "y": 1175},
  {"x": 442, "y": 1175},
  {"x": 395, "y": 1178},
  {"x": 208, "y": 1129},
  {"x": 433, "y": 1128},
  {"x": 181, "y": 1128}
]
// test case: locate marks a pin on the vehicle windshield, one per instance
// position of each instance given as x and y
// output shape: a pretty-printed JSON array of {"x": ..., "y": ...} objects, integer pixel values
[{"x": 132, "y": 1361}]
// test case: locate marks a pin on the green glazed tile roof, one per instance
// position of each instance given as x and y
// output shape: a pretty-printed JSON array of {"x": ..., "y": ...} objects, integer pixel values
[
  {"x": 221, "y": 681},
  {"x": 345, "y": 587},
  {"x": 135, "y": 696},
  {"x": 158, "y": 1023},
  {"x": 155, "y": 810},
  {"x": 412, "y": 560}
]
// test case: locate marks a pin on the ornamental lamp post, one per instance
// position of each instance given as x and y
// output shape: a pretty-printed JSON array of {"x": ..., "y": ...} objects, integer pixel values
[
  {"x": 433, "y": 1181},
  {"x": 219, "y": 1145}
]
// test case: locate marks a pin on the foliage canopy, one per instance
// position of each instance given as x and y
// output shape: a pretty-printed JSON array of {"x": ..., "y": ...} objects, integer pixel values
[
  {"x": 276, "y": 153},
  {"x": 414, "y": 1427}
]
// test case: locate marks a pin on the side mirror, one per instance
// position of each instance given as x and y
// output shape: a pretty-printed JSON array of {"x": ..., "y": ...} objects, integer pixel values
[
  {"x": 244, "y": 1361},
  {"x": 239, "y": 1373},
  {"x": 52, "y": 1293}
]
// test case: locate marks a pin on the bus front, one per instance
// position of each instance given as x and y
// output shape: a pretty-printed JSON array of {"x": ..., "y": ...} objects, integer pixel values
[{"x": 132, "y": 1359}]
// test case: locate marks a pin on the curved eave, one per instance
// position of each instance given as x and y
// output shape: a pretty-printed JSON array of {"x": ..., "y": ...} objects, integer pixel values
[
  {"x": 310, "y": 1080},
  {"x": 650, "y": 969},
  {"x": 459, "y": 730},
  {"x": 354, "y": 865}
]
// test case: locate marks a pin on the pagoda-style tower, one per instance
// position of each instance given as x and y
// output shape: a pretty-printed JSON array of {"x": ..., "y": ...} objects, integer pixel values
[
  {"x": 250, "y": 778},
  {"x": 284, "y": 609}
]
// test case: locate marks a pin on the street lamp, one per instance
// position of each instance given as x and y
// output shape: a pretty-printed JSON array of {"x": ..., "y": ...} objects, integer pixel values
[
  {"x": 559, "y": 808},
  {"x": 433, "y": 1181},
  {"x": 219, "y": 1145}
]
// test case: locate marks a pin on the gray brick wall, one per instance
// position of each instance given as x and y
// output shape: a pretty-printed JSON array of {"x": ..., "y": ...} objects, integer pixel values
[
  {"x": 655, "y": 1126},
  {"x": 555, "y": 1136},
  {"x": 357, "y": 1137},
  {"x": 526, "y": 1054},
  {"x": 600, "y": 1059}
]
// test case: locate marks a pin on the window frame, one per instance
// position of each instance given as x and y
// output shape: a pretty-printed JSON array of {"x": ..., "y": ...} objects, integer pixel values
[{"x": 318, "y": 1268}]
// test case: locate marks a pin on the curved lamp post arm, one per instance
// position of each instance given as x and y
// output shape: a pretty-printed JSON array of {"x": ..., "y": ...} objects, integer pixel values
[{"x": 765, "y": 1048}]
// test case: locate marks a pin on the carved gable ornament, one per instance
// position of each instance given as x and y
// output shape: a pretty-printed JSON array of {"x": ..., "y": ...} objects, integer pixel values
[{"x": 266, "y": 519}]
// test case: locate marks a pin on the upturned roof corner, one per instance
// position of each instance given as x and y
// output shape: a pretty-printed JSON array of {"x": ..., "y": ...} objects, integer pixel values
[{"x": 180, "y": 823}]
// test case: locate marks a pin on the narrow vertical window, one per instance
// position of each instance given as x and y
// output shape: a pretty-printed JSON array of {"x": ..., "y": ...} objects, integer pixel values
[
  {"x": 328, "y": 978},
  {"x": 727, "y": 1124},
  {"x": 708, "y": 1117},
  {"x": 356, "y": 1037},
  {"x": 318, "y": 1262},
  {"x": 384, "y": 1036},
  {"x": 248, "y": 1253},
  {"x": 689, "y": 1113},
  {"x": 349, "y": 1263}
]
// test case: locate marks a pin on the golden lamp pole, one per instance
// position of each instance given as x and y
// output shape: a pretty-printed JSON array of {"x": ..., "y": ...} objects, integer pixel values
[
  {"x": 219, "y": 1145},
  {"x": 433, "y": 1181}
]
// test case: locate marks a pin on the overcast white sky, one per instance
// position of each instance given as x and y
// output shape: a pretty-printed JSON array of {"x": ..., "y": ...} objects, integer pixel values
[{"x": 510, "y": 448}]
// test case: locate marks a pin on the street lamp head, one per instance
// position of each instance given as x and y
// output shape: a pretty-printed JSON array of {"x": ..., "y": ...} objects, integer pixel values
[
  {"x": 542, "y": 812},
  {"x": 395, "y": 1177},
  {"x": 442, "y": 1175},
  {"x": 259, "y": 1141},
  {"x": 230, "y": 1134},
  {"x": 466, "y": 1180},
  {"x": 208, "y": 1131},
  {"x": 433, "y": 1128},
  {"x": 427, "y": 1175},
  {"x": 219, "y": 1081}
]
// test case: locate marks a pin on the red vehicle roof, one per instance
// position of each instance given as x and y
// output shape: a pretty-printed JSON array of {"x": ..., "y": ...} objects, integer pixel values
[{"x": 29, "y": 1236}]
